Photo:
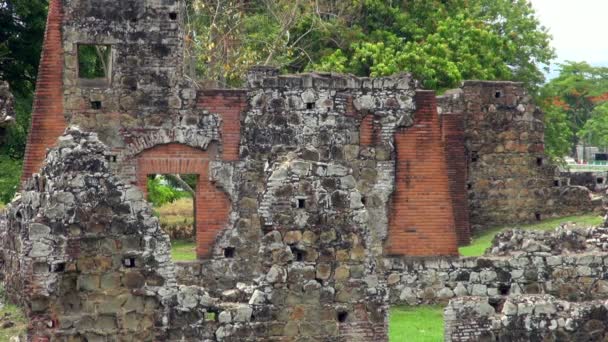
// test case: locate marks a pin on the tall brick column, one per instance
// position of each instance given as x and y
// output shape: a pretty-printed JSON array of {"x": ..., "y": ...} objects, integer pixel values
[
  {"x": 422, "y": 216},
  {"x": 452, "y": 130},
  {"x": 48, "y": 121}
]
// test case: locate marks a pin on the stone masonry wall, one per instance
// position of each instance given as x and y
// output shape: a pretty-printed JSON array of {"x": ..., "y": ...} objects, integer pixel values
[
  {"x": 88, "y": 261},
  {"x": 525, "y": 318},
  {"x": 7, "y": 110},
  {"x": 510, "y": 179},
  {"x": 568, "y": 263}
]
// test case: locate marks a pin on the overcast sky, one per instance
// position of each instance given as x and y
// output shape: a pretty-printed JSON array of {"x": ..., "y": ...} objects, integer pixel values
[{"x": 578, "y": 28}]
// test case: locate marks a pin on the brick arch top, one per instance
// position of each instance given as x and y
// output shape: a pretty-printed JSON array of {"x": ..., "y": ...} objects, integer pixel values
[
  {"x": 212, "y": 205},
  {"x": 189, "y": 137}
]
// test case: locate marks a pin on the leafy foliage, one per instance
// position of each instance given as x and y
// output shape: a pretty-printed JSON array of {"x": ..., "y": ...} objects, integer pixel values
[
  {"x": 10, "y": 174},
  {"x": 93, "y": 61},
  {"x": 570, "y": 101},
  {"x": 595, "y": 130},
  {"x": 160, "y": 194},
  {"x": 22, "y": 24},
  {"x": 441, "y": 42}
]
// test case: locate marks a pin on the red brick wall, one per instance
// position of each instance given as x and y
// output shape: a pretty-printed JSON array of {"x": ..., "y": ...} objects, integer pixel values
[
  {"x": 452, "y": 130},
  {"x": 422, "y": 218},
  {"x": 212, "y": 206},
  {"x": 229, "y": 104},
  {"x": 48, "y": 122},
  {"x": 366, "y": 131}
]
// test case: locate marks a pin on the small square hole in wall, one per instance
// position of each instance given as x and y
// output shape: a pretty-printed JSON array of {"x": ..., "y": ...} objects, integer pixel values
[
  {"x": 474, "y": 156},
  {"x": 363, "y": 200},
  {"x": 342, "y": 316},
  {"x": 301, "y": 203},
  {"x": 310, "y": 105},
  {"x": 57, "y": 268},
  {"x": 128, "y": 262},
  {"x": 298, "y": 254},
  {"x": 498, "y": 94},
  {"x": 173, "y": 16},
  {"x": 504, "y": 289},
  {"x": 229, "y": 252},
  {"x": 600, "y": 180},
  {"x": 469, "y": 186},
  {"x": 94, "y": 61},
  {"x": 539, "y": 161},
  {"x": 556, "y": 183},
  {"x": 538, "y": 216},
  {"x": 95, "y": 105}
]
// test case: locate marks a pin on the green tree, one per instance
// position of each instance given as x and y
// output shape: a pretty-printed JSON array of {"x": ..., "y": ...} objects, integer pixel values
[
  {"x": 595, "y": 130},
  {"x": 441, "y": 42},
  {"x": 445, "y": 42},
  {"x": 575, "y": 93},
  {"x": 22, "y": 25}
]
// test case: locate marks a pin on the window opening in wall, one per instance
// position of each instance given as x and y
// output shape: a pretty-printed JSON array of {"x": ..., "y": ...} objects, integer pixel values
[
  {"x": 556, "y": 182},
  {"x": 173, "y": 200},
  {"x": 94, "y": 64},
  {"x": 498, "y": 94},
  {"x": 537, "y": 216},
  {"x": 600, "y": 180},
  {"x": 342, "y": 316},
  {"x": 310, "y": 105},
  {"x": 301, "y": 203},
  {"x": 173, "y": 16}
]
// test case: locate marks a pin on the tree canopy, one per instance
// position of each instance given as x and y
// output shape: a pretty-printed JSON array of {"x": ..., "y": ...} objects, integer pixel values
[
  {"x": 440, "y": 42},
  {"x": 574, "y": 106}
]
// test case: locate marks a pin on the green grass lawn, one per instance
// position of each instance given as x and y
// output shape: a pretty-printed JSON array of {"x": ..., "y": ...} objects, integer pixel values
[
  {"x": 481, "y": 242},
  {"x": 183, "y": 250},
  {"x": 416, "y": 324}
]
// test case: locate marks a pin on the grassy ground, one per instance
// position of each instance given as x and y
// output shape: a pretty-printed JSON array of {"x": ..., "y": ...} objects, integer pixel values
[
  {"x": 183, "y": 250},
  {"x": 481, "y": 242},
  {"x": 177, "y": 218},
  {"x": 12, "y": 323},
  {"x": 416, "y": 324}
]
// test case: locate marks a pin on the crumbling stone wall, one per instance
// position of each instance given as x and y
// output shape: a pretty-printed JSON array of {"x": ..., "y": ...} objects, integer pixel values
[
  {"x": 510, "y": 179},
  {"x": 525, "y": 318},
  {"x": 7, "y": 110},
  {"x": 568, "y": 263},
  {"x": 88, "y": 261}
]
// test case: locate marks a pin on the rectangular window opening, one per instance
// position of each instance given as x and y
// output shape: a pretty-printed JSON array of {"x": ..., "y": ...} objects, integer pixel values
[
  {"x": 174, "y": 203},
  {"x": 94, "y": 64}
]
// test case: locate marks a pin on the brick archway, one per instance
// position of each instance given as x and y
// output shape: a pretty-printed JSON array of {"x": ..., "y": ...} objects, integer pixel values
[{"x": 212, "y": 206}]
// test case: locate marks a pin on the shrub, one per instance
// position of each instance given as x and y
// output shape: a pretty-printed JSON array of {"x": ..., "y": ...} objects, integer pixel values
[
  {"x": 160, "y": 194},
  {"x": 10, "y": 176}
]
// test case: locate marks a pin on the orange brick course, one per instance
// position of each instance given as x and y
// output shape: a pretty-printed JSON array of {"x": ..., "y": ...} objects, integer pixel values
[
  {"x": 452, "y": 131},
  {"x": 48, "y": 122},
  {"x": 212, "y": 206},
  {"x": 229, "y": 104},
  {"x": 422, "y": 216}
]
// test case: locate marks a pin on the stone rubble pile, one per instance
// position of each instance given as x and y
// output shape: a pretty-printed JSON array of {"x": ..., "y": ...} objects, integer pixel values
[
  {"x": 566, "y": 239},
  {"x": 525, "y": 318}
]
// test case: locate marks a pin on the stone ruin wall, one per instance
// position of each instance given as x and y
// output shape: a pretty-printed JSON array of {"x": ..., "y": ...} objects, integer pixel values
[
  {"x": 305, "y": 186},
  {"x": 525, "y": 318},
  {"x": 7, "y": 109},
  {"x": 510, "y": 180}
]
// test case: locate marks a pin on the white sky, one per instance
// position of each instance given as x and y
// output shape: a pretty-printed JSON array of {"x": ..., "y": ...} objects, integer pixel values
[{"x": 578, "y": 28}]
